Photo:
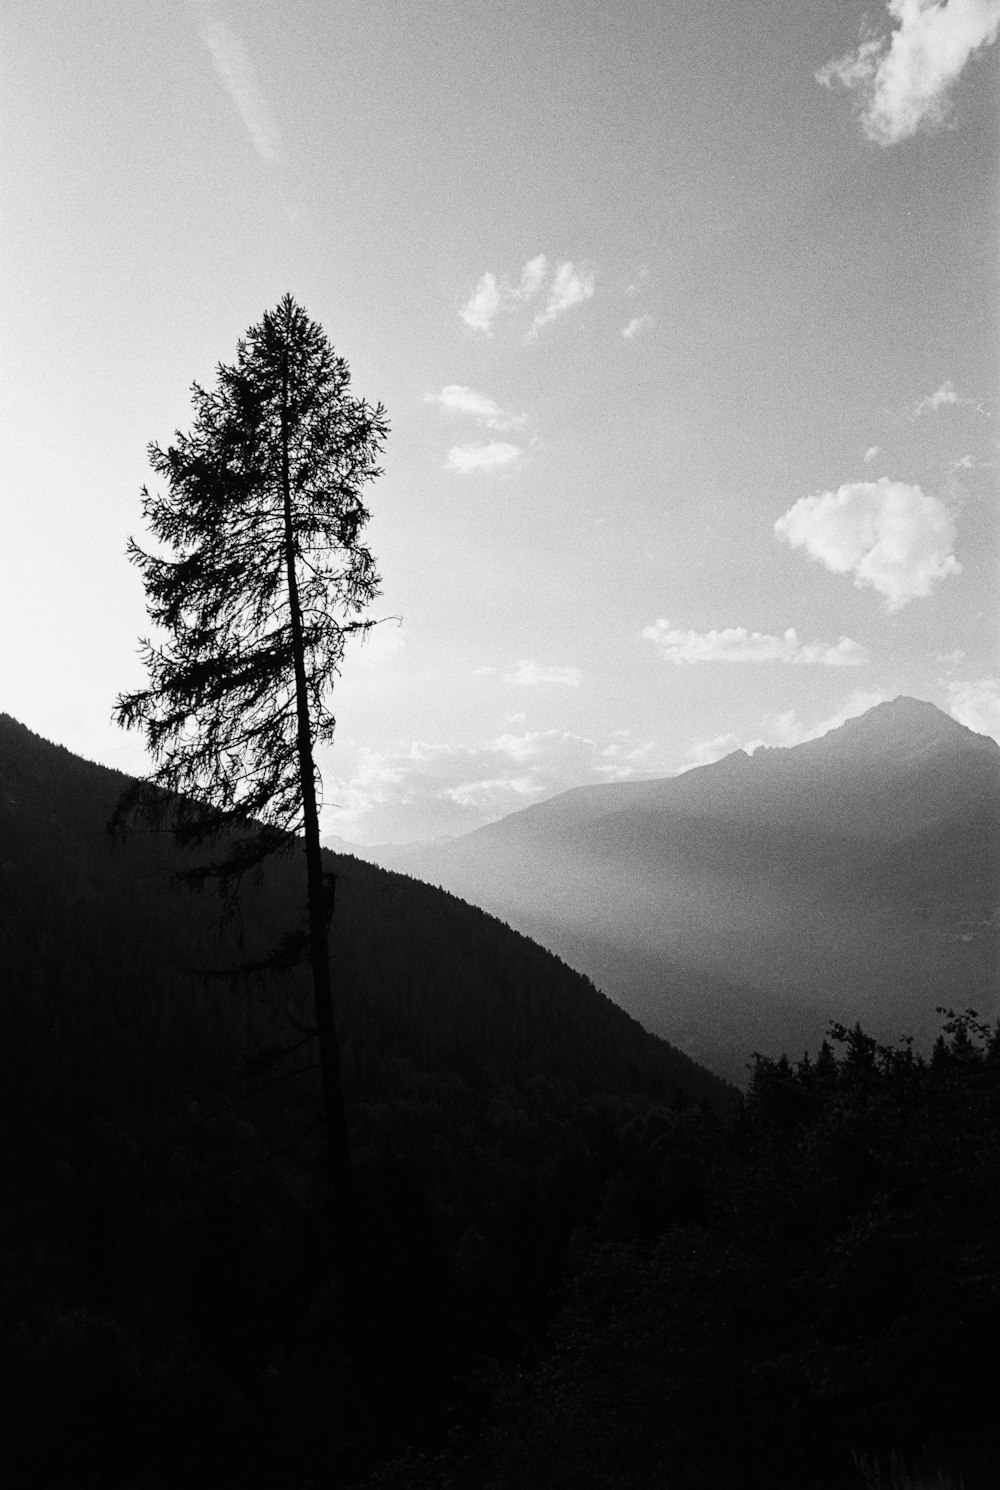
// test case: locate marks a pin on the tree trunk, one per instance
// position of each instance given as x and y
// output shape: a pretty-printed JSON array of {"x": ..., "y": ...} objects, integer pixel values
[{"x": 341, "y": 1170}]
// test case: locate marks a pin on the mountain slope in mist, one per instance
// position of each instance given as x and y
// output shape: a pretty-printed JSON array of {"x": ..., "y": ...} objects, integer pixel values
[{"x": 744, "y": 904}]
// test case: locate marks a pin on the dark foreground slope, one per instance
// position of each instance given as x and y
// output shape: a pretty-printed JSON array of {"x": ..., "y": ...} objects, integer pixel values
[
  {"x": 421, "y": 978},
  {"x": 744, "y": 904},
  {"x": 573, "y": 1276},
  {"x": 166, "y": 1292},
  {"x": 804, "y": 1301}
]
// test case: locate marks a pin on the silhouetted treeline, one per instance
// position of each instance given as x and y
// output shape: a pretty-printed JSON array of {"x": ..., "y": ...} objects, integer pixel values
[
  {"x": 807, "y": 1297},
  {"x": 586, "y": 1265}
]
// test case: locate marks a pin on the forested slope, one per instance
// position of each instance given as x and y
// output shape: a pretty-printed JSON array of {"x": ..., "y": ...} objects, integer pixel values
[
  {"x": 166, "y": 1273},
  {"x": 576, "y": 1275}
]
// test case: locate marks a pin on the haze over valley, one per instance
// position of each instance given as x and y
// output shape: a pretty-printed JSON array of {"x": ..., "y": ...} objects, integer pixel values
[{"x": 743, "y": 905}]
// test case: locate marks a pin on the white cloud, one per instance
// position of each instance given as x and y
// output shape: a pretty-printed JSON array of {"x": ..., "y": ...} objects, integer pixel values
[
  {"x": 736, "y": 644},
  {"x": 480, "y": 310},
  {"x": 465, "y": 459},
  {"x": 533, "y": 277},
  {"x": 785, "y": 729},
  {"x": 571, "y": 286},
  {"x": 534, "y": 674},
  {"x": 637, "y": 324},
  {"x": 708, "y": 751},
  {"x": 946, "y": 394},
  {"x": 427, "y": 790},
  {"x": 239, "y": 78},
  {"x": 458, "y": 400},
  {"x": 977, "y": 705},
  {"x": 891, "y": 536},
  {"x": 871, "y": 453},
  {"x": 903, "y": 82},
  {"x": 622, "y": 758}
]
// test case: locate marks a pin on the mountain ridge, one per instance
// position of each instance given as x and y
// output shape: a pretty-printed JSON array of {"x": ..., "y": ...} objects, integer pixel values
[
  {"x": 851, "y": 875},
  {"x": 886, "y": 727}
]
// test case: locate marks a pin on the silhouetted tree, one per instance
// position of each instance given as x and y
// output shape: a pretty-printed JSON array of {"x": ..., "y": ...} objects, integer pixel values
[{"x": 264, "y": 515}]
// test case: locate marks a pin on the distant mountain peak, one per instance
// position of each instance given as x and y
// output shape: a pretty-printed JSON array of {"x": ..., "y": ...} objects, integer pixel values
[
  {"x": 905, "y": 711},
  {"x": 906, "y": 725}
]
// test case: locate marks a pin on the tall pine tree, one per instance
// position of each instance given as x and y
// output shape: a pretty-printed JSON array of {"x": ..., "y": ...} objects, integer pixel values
[{"x": 261, "y": 577}]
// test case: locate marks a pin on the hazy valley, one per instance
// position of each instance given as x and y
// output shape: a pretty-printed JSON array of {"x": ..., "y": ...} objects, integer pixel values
[{"x": 743, "y": 905}]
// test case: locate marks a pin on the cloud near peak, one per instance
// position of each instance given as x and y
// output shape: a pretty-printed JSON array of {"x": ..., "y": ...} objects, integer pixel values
[
  {"x": 737, "y": 644},
  {"x": 893, "y": 537},
  {"x": 977, "y": 705},
  {"x": 903, "y": 82},
  {"x": 780, "y": 731},
  {"x": 428, "y": 789}
]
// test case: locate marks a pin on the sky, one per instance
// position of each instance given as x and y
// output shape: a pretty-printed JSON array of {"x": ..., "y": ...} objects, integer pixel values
[{"x": 686, "y": 323}]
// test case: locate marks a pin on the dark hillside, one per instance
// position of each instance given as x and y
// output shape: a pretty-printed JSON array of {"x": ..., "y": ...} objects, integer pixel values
[
  {"x": 164, "y": 1270},
  {"x": 575, "y": 1275},
  {"x": 427, "y": 976}
]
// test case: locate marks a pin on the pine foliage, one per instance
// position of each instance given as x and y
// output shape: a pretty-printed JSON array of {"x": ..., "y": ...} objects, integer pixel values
[{"x": 260, "y": 533}]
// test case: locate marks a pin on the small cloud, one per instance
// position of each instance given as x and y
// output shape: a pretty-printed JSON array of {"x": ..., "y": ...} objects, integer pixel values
[
  {"x": 891, "y": 536},
  {"x": 533, "y": 277},
  {"x": 786, "y": 729},
  {"x": 977, "y": 705},
  {"x": 871, "y": 453},
  {"x": 479, "y": 406},
  {"x": 481, "y": 795},
  {"x": 637, "y": 324},
  {"x": 481, "y": 309},
  {"x": 946, "y": 394},
  {"x": 465, "y": 459},
  {"x": 429, "y": 789},
  {"x": 425, "y": 789},
  {"x": 571, "y": 286},
  {"x": 709, "y": 751},
  {"x": 622, "y": 759},
  {"x": 534, "y": 674},
  {"x": 736, "y": 644},
  {"x": 902, "y": 82},
  {"x": 238, "y": 76}
]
